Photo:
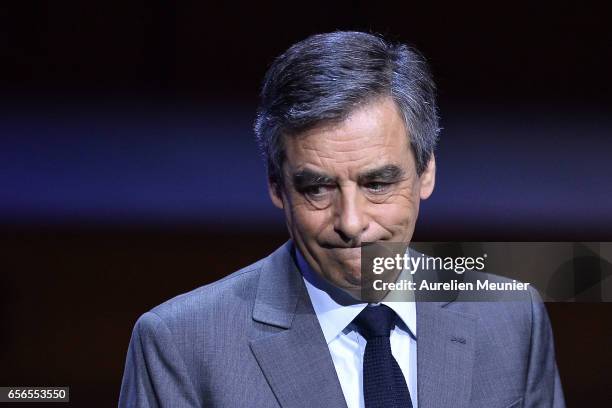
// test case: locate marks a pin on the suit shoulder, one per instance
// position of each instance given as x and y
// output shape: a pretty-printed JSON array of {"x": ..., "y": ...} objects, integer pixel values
[{"x": 237, "y": 288}]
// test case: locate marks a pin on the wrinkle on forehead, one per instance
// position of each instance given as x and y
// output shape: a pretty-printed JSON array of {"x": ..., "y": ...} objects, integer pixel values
[{"x": 373, "y": 134}]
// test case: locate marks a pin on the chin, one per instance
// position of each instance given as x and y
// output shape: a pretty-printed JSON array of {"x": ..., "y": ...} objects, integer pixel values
[
  {"x": 351, "y": 277},
  {"x": 353, "y": 282},
  {"x": 343, "y": 277}
]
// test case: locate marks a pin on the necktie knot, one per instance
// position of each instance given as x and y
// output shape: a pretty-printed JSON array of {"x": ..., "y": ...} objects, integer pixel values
[{"x": 376, "y": 321}]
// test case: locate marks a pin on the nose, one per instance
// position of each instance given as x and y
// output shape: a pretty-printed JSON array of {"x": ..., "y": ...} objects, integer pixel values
[{"x": 351, "y": 217}]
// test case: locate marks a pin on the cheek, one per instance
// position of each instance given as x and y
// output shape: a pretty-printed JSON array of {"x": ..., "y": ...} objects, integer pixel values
[
  {"x": 308, "y": 223},
  {"x": 399, "y": 212},
  {"x": 396, "y": 215}
]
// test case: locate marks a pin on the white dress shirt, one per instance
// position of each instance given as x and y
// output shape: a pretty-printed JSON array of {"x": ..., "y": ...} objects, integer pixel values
[{"x": 335, "y": 311}]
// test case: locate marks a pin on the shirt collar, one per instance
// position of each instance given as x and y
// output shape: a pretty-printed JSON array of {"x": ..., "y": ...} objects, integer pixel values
[{"x": 335, "y": 309}]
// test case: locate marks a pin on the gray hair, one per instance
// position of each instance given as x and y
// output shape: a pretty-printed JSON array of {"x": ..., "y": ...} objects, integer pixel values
[{"x": 323, "y": 78}]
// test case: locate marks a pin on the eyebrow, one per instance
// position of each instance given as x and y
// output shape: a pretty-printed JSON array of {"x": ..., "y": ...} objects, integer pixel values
[
  {"x": 387, "y": 173},
  {"x": 305, "y": 178}
]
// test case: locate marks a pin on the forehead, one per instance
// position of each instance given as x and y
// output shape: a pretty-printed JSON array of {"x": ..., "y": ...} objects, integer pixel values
[{"x": 371, "y": 136}]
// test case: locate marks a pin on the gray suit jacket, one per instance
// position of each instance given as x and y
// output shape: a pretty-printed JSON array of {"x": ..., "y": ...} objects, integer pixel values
[{"x": 252, "y": 339}]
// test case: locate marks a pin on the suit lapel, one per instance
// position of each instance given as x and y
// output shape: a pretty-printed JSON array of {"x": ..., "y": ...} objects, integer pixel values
[
  {"x": 445, "y": 356},
  {"x": 295, "y": 360}
]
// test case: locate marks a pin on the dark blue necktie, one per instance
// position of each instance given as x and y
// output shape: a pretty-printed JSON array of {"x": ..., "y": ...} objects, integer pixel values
[{"x": 384, "y": 385}]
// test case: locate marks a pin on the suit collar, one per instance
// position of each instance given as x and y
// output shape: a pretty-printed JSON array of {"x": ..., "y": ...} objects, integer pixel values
[
  {"x": 294, "y": 359},
  {"x": 279, "y": 284}
]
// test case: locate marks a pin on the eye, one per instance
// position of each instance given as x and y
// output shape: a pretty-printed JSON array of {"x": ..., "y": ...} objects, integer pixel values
[
  {"x": 317, "y": 192},
  {"x": 378, "y": 187}
]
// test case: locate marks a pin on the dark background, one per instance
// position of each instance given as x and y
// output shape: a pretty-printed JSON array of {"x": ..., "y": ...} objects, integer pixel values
[{"x": 128, "y": 171}]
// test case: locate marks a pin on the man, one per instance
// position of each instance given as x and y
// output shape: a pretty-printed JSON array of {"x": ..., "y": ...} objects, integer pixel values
[{"x": 348, "y": 124}]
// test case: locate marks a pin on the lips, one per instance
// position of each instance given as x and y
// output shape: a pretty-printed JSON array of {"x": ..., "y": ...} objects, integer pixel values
[{"x": 347, "y": 253}]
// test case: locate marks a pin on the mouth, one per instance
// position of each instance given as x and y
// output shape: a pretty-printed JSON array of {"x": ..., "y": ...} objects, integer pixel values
[
  {"x": 355, "y": 246},
  {"x": 347, "y": 253},
  {"x": 339, "y": 246}
]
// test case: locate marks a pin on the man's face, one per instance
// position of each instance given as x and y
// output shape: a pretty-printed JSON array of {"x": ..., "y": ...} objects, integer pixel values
[{"x": 350, "y": 183}]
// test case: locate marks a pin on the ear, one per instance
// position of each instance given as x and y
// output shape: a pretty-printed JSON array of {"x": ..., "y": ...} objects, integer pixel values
[
  {"x": 428, "y": 179},
  {"x": 274, "y": 189}
]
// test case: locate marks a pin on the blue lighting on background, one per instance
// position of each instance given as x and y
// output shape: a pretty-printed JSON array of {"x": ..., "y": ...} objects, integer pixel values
[{"x": 177, "y": 168}]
